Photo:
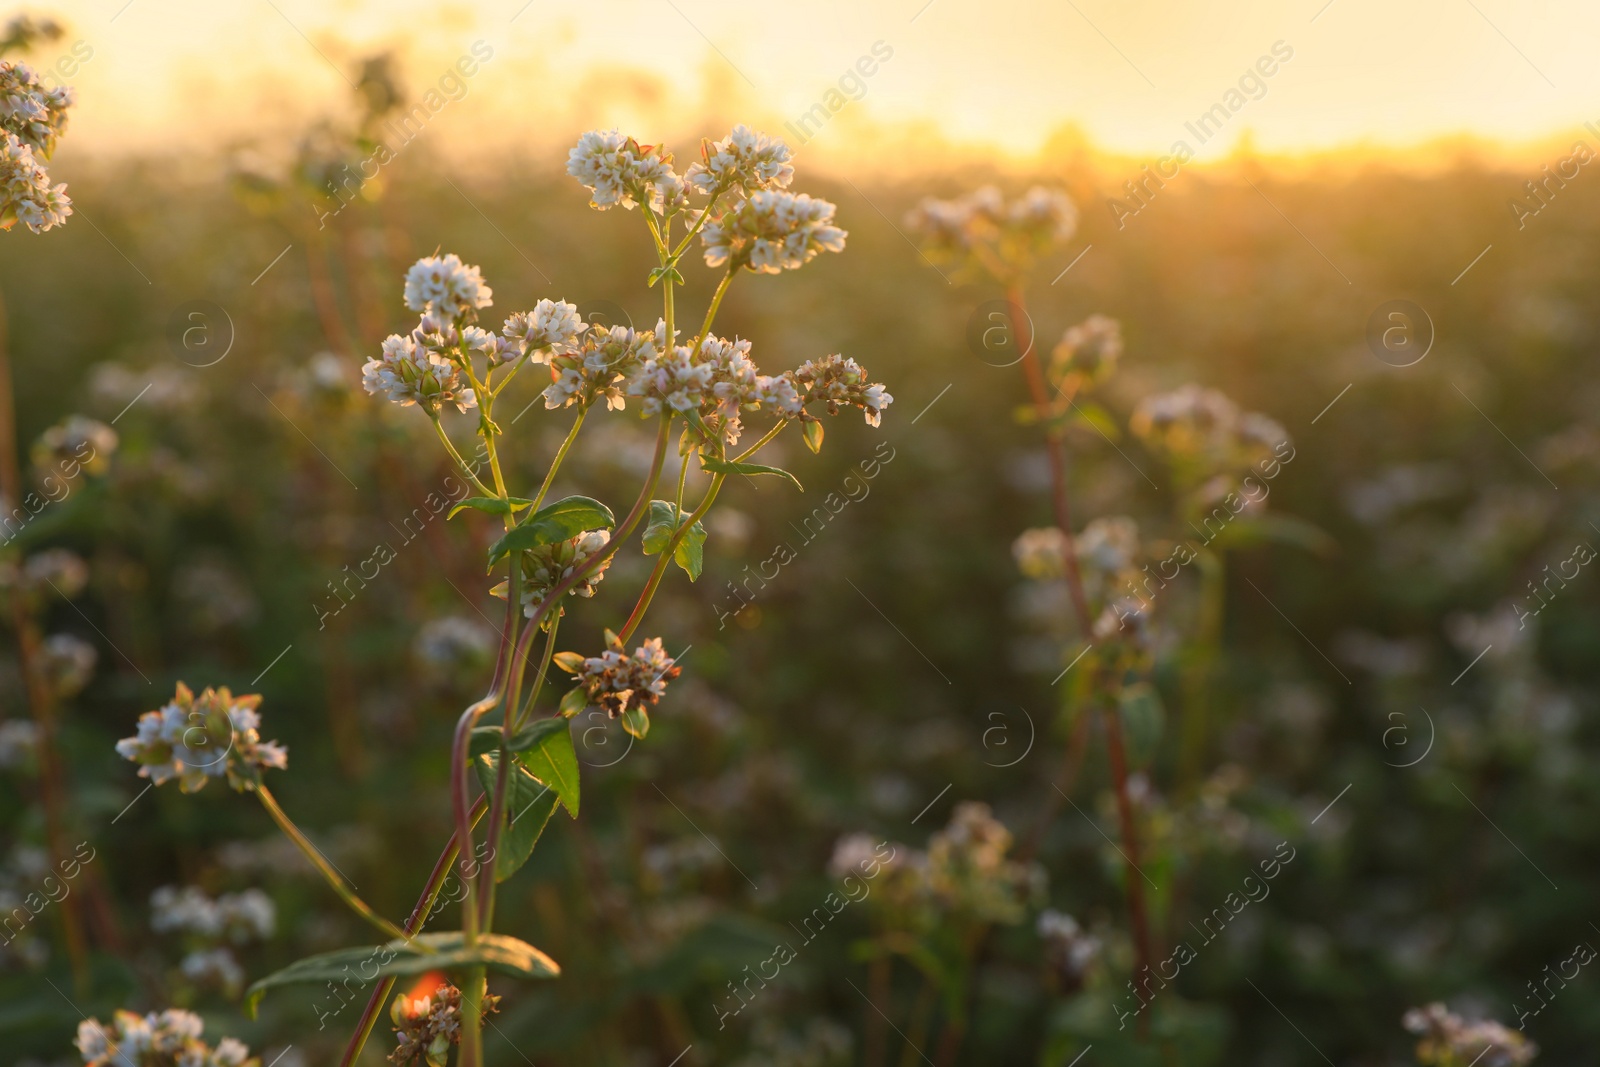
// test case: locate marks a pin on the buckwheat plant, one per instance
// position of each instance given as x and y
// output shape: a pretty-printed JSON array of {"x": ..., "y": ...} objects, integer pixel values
[
  {"x": 695, "y": 385},
  {"x": 1115, "y": 580}
]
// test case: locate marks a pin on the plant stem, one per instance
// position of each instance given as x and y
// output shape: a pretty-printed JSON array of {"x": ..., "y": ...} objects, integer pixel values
[
  {"x": 555, "y": 464},
  {"x": 414, "y": 924},
  {"x": 716, "y": 302},
  {"x": 643, "y": 604},
  {"x": 450, "y": 448},
  {"x": 624, "y": 531},
  {"x": 1130, "y": 847},
  {"x": 326, "y": 869}
]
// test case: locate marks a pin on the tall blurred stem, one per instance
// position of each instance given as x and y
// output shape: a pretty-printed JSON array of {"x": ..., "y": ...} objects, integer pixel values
[
  {"x": 1138, "y": 915},
  {"x": 40, "y": 703}
]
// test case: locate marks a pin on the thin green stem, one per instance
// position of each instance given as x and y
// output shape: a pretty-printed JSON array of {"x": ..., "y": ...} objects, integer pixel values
[
  {"x": 716, "y": 302},
  {"x": 414, "y": 924},
  {"x": 544, "y": 672},
  {"x": 766, "y": 439},
  {"x": 326, "y": 869},
  {"x": 438, "y": 428},
  {"x": 555, "y": 464},
  {"x": 705, "y": 216},
  {"x": 678, "y": 535}
]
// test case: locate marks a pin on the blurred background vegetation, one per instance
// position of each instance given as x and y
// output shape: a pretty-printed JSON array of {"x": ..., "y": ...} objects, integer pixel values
[{"x": 863, "y": 689}]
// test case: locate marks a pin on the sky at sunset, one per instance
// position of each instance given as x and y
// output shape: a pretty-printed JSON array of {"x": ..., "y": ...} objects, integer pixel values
[{"x": 1002, "y": 74}]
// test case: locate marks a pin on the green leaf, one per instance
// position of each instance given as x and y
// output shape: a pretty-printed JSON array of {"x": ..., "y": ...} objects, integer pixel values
[
  {"x": 668, "y": 271},
  {"x": 636, "y": 722},
  {"x": 546, "y": 749},
  {"x": 529, "y": 805},
  {"x": 724, "y": 466},
  {"x": 491, "y": 504},
  {"x": 553, "y": 523},
  {"x": 813, "y": 436},
  {"x": 1139, "y": 706},
  {"x": 546, "y": 752},
  {"x": 665, "y": 521},
  {"x": 399, "y": 959}
]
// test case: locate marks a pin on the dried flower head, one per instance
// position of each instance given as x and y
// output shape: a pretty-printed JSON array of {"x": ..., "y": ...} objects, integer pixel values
[
  {"x": 1448, "y": 1040},
  {"x": 160, "y": 1039},
  {"x": 195, "y": 739},
  {"x": 616, "y": 681},
  {"x": 772, "y": 231},
  {"x": 426, "y": 1027}
]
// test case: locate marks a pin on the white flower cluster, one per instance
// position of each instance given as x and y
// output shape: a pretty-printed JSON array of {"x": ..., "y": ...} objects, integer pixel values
[
  {"x": 166, "y": 1039},
  {"x": 552, "y": 325},
  {"x": 597, "y": 364},
  {"x": 420, "y": 368},
  {"x": 53, "y": 571},
  {"x": 546, "y": 566},
  {"x": 982, "y": 231},
  {"x": 1192, "y": 424},
  {"x": 67, "y": 662},
  {"x": 1447, "y": 1038},
  {"x": 1039, "y": 552},
  {"x": 194, "y": 739},
  {"x": 32, "y": 118},
  {"x": 618, "y": 170},
  {"x": 26, "y": 195},
  {"x": 772, "y": 231},
  {"x": 618, "y": 682},
  {"x": 838, "y": 381},
  {"x": 236, "y": 917},
  {"x": 715, "y": 379},
  {"x": 1089, "y": 350},
  {"x": 453, "y": 640},
  {"x": 445, "y": 284},
  {"x": 745, "y": 162},
  {"x": 76, "y": 441}
]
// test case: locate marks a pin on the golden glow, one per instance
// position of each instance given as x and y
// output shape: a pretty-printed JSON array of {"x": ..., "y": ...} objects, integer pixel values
[{"x": 1003, "y": 75}]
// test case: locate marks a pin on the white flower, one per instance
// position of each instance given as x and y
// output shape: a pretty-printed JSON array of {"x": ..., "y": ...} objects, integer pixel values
[
  {"x": 772, "y": 231},
  {"x": 746, "y": 161},
  {"x": 1109, "y": 544},
  {"x": 619, "y": 682},
  {"x": 30, "y": 111},
  {"x": 1038, "y": 552},
  {"x": 547, "y": 566},
  {"x": 618, "y": 170},
  {"x": 841, "y": 382},
  {"x": 552, "y": 325},
  {"x": 410, "y": 372},
  {"x": 444, "y": 283},
  {"x": 26, "y": 194},
  {"x": 195, "y": 739},
  {"x": 596, "y": 365}
]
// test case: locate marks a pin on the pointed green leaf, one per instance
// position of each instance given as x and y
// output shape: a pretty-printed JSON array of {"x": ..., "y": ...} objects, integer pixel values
[
  {"x": 491, "y": 504},
  {"x": 724, "y": 466},
  {"x": 552, "y": 523},
  {"x": 546, "y": 751},
  {"x": 529, "y": 805},
  {"x": 400, "y": 959}
]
